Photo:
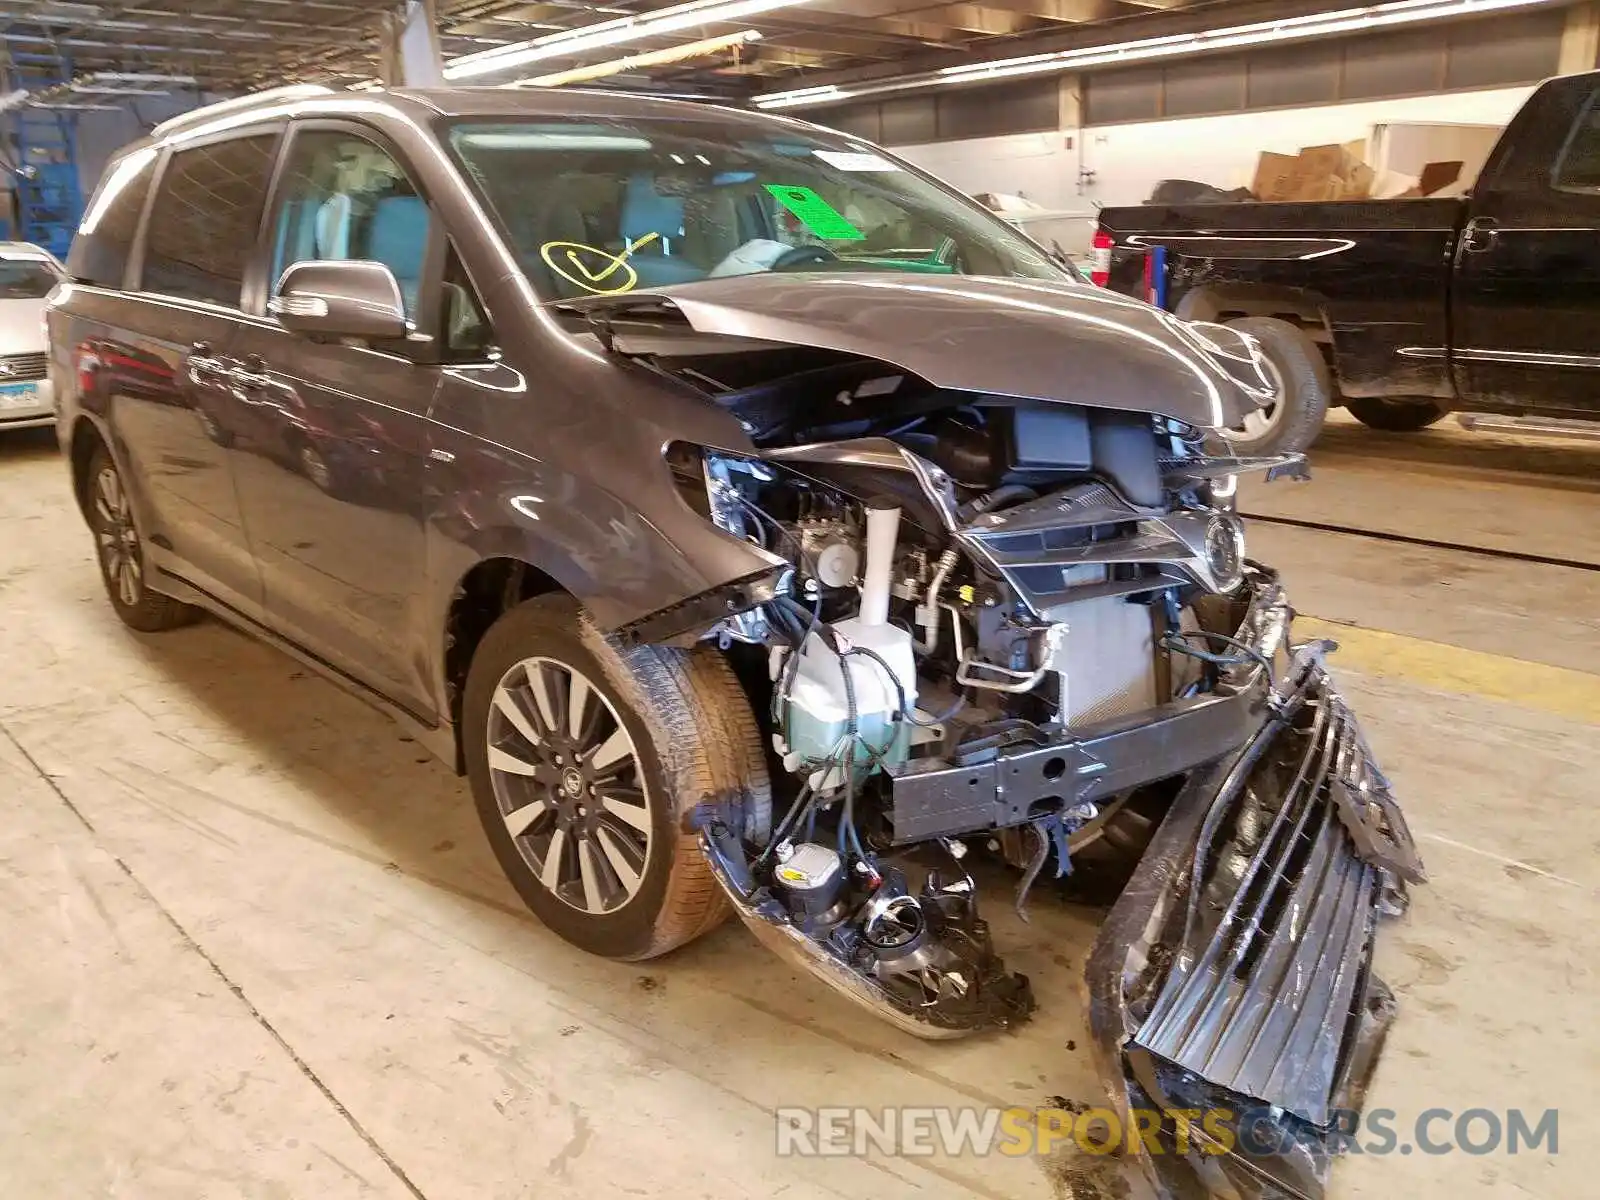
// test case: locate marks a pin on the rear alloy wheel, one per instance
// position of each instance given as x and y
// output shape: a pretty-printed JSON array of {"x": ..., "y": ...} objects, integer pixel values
[
  {"x": 121, "y": 553},
  {"x": 1395, "y": 416},
  {"x": 1304, "y": 386},
  {"x": 587, "y": 759},
  {"x": 316, "y": 468}
]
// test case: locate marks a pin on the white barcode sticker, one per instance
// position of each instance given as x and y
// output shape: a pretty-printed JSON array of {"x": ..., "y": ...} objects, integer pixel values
[{"x": 855, "y": 161}]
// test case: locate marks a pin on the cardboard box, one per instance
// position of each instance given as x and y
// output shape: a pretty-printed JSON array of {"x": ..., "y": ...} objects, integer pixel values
[
  {"x": 1438, "y": 175},
  {"x": 1359, "y": 182},
  {"x": 1394, "y": 185},
  {"x": 1273, "y": 175},
  {"x": 1337, "y": 161},
  {"x": 1315, "y": 174}
]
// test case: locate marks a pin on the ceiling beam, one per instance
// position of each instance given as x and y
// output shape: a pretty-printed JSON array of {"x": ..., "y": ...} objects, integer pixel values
[
  {"x": 1071, "y": 12},
  {"x": 982, "y": 18},
  {"x": 1134, "y": 23}
]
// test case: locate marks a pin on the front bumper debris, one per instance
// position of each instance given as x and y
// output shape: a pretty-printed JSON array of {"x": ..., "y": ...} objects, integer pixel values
[{"x": 1235, "y": 971}]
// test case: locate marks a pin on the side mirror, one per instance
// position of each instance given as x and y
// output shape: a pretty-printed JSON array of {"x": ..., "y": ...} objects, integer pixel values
[{"x": 340, "y": 299}]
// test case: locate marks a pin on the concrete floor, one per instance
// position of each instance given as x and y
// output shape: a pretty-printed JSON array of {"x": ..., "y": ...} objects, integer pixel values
[{"x": 252, "y": 943}]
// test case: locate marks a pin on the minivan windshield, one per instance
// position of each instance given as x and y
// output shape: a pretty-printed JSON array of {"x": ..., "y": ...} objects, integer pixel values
[
  {"x": 603, "y": 208},
  {"x": 26, "y": 277}
]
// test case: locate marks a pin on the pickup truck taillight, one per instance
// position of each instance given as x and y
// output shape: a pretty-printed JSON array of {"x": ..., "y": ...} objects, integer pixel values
[{"x": 1100, "y": 258}]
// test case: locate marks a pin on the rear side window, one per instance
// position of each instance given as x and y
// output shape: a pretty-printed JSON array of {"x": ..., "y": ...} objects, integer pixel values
[
  {"x": 105, "y": 238},
  {"x": 205, "y": 218},
  {"x": 1578, "y": 168}
]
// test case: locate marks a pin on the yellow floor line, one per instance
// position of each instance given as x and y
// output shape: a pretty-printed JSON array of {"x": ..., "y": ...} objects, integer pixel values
[{"x": 1559, "y": 690}]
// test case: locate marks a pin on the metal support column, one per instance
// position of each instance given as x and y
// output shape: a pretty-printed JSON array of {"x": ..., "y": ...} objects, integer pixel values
[
  {"x": 1580, "y": 41},
  {"x": 409, "y": 55}
]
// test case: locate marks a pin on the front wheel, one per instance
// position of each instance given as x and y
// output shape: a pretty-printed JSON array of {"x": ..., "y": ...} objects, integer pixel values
[
  {"x": 1395, "y": 416},
  {"x": 1304, "y": 385},
  {"x": 586, "y": 760}
]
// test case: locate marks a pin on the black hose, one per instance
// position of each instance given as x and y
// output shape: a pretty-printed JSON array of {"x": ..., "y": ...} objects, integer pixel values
[
  {"x": 906, "y": 710},
  {"x": 1177, "y": 642}
]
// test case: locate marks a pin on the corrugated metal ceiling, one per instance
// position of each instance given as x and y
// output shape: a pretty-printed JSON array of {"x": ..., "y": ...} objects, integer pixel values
[{"x": 235, "y": 45}]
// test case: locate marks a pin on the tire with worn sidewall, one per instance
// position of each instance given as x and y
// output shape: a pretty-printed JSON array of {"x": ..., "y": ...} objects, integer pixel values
[
  {"x": 1307, "y": 385},
  {"x": 1395, "y": 416},
  {"x": 156, "y": 612},
  {"x": 696, "y": 737}
]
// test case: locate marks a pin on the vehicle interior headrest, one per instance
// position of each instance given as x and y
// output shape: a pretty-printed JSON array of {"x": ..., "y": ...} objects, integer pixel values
[{"x": 645, "y": 211}]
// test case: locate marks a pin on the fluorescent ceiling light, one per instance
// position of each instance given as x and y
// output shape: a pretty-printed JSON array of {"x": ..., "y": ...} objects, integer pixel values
[
  {"x": 610, "y": 33},
  {"x": 1292, "y": 29},
  {"x": 650, "y": 58}
]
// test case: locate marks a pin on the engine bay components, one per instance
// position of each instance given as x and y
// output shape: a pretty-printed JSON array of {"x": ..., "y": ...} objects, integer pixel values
[
  {"x": 1027, "y": 618},
  {"x": 922, "y": 959},
  {"x": 844, "y": 694},
  {"x": 810, "y": 880},
  {"x": 1018, "y": 648}
]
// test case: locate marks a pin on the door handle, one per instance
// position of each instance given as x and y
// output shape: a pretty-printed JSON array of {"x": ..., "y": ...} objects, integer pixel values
[
  {"x": 204, "y": 370},
  {"x": 1480, "y": 235},
  {"x": 251, "y": 374}
]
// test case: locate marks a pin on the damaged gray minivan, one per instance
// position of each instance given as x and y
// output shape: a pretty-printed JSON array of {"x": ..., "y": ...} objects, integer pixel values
[{"x": 763, "y": 528}]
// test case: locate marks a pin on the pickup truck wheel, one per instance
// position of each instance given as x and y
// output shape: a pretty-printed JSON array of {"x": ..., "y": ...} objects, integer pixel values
[
  {"x": 1305, "y": 389},
  {"x": 1395, "y": 416},
  {"x": 586, "y": 760}
]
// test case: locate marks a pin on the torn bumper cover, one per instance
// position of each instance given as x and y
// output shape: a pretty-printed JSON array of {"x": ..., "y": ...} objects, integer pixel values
[{"x": 1234, "y": 975}]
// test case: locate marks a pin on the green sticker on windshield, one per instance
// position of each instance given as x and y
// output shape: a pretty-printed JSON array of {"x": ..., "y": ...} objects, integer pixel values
[{"x": 820, "y": 217}]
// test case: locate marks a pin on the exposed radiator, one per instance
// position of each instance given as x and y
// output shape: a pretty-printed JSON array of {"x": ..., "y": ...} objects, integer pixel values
[{"x": 1107, "y": 659}]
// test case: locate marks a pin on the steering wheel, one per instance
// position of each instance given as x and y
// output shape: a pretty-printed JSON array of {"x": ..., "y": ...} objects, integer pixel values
[{"x": 803, "y": 256}]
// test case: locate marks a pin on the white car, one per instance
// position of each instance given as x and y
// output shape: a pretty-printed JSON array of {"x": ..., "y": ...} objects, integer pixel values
[{"x": 27, "y": 276}]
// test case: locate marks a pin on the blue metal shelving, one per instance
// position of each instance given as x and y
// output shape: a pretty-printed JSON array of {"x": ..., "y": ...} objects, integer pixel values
[{"x": 42, "y": 144}]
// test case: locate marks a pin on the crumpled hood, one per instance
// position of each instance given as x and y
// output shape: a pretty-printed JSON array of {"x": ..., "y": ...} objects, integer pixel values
[{"x": 1016, "y": 337}]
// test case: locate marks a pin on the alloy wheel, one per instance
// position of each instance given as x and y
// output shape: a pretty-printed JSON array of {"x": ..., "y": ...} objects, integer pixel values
[
  {"x": 569, "y": 785},
  {"x": 316, "y": 468},
  {"x": 1260, "y": 422},
  {"x": 120, "y": 554}
]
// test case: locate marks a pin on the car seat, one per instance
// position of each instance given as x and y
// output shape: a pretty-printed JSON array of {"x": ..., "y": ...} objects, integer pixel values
[
  {"x": 646, "y": 212},
  {"x": 398, "y": 238}
]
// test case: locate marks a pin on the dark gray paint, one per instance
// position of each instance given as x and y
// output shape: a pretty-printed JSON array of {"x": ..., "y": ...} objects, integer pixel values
[
  {"x": 549, "y": 453},
  {"x": 1008, "y": 337}
]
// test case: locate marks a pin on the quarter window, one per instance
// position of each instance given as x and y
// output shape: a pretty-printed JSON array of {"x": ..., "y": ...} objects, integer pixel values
[
  {"x": 99, "y": 253},
  {"x": 206, "y": 218},
  {"x": 346, "y": 198}
]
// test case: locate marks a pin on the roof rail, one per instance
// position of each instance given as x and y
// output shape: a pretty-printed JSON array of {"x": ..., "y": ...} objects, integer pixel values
[{"x": 292, "y": 91}]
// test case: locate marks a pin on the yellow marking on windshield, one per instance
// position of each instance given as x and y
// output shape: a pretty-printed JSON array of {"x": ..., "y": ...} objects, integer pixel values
[{"x": 589, "y": 266}]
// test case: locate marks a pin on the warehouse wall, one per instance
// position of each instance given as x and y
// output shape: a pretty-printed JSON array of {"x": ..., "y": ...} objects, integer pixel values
[
  {"x": 1208, "y": 117},
  {"x": 1128, "y": 160}
]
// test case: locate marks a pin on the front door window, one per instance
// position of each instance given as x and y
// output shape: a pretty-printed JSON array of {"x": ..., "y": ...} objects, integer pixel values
[{"x": 347, "y": 198}]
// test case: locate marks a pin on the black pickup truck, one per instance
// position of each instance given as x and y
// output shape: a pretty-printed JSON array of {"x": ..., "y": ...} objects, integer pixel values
[{"x": 1404, "y": 310}]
